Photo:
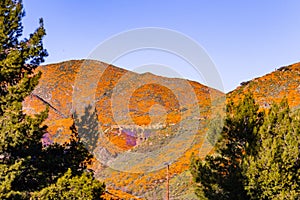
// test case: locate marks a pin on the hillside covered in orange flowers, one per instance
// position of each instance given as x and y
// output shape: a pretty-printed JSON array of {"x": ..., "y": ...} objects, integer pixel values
[{"x": 147, "y": 119}]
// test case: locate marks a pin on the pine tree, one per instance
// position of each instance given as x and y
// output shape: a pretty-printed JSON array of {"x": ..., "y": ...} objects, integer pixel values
[
  {"x": 26, "y": 166},
  {"x": 19, "y": 134},
  {"x": 73, "y": 187},
  {"x": 220, "y": 176},
  {"x": 67, "y": 172},
  {"x": 274, "y": 173},
  {"x": 18, "y": 59}
]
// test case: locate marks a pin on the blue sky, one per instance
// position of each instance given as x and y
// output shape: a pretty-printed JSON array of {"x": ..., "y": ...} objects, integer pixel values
[{"x": 244, "y": 39}]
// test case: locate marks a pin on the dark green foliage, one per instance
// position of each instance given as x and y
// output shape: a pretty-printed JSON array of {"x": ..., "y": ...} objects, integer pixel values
[
  {"x": 26, "y": 166},
  {"x": 220, "y": 176},
  {"x": 73, "y": 187},
  {"x": 20, "y": 135},
  {"x": 53, "y": 161},
  {"x": 256, "y": 158},
  {"x": 274, "y": 172}
]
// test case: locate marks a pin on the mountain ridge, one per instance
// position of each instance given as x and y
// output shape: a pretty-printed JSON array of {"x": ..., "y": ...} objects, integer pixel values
[{"x": 57, "y": 83}]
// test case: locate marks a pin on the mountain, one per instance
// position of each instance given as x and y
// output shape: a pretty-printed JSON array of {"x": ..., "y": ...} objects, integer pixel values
[{"x": 144, "y": 120}]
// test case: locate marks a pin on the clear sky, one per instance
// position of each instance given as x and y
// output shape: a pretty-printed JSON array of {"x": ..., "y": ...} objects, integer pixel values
[{"x": 245, "y": 39}]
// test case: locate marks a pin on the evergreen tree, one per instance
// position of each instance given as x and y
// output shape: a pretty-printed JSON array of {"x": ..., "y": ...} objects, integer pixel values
[
  {"x": 26, "y": 166},
  {"x": 72, "y": 187},
  {"x": 19, "y": 134},
  {"x": 274, "y": 173},
  {"x": 68, "y": 172},
  {"x": 220, "y": 176}
]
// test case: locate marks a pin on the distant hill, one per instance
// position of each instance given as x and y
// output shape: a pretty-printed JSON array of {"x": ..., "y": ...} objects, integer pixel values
[
  {"x": 126, "y": 102},
  {"x": 283, "y": 82}
]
